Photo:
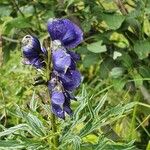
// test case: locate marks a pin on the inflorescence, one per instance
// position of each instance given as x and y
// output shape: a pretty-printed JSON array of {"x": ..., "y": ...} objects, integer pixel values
[{"x": 64, "y": 77}]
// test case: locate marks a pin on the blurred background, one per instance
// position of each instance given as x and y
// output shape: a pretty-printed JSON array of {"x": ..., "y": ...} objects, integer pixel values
[{"x": 113, "y": 107}]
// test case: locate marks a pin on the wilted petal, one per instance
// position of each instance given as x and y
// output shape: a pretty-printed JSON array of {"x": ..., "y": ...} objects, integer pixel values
[
  {"x": 61, "y": 60},
  {"x": 65, "y": 31},
  {"x": 58, "y": 111},
  {"x": 70, "y": 80}
]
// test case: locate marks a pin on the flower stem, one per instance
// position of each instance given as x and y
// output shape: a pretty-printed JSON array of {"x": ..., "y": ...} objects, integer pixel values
[
  {"x": 54, "y": 130},
  {"x": 55, "y": 139}
]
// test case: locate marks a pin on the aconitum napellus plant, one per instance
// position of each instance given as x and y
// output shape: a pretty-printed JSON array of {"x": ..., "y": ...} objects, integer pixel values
[{"x": 64, "y": 77}]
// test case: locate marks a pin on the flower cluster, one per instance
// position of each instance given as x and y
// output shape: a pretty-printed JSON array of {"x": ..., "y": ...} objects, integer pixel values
[{"x": 64, "y": 77}]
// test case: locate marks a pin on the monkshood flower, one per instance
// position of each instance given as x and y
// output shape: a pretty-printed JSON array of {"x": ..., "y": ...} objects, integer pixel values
[
  {"x": 70, "y": 80},
  {"x": 32, "y": 52},
  {"x": 62, "y": 58},
  {"x": 65, "y": 31},
  {"x": 60, "y": 99},
  {"x": 64, "y": 77}
]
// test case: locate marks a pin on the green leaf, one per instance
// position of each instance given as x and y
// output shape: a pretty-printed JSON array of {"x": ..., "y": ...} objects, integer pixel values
[
  {"x": 36, "y": 125},
  {"x": 14, "y": 129},
  {"x": 33, "y": 102},
  {"x": 138, "y": 80},
  {"x": 19, "y": 23},
  {"x": 90, "y": 59},
  {"x": 126, "y": 60},
  {"x": 116, "y": 72},
  {"x": 5, "y": 10},
  {"x": 144, "y": 71},
  {"x": 18, "y": 144},
  {"x": 113, "y": 21},
  {"x": 27, "y": 10},
  {"x": 100, "y": 105},
  {"x": 105, "y": 67},
  {"x": 97, "y": 47},
  {"x": 11, "y": 145},
  {"x": 118, "y": 84},
  {"x": 142, "y": 48}
]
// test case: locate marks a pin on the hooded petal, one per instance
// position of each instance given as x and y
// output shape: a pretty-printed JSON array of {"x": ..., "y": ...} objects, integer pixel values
[
  {"x": 61, "y": 60},
  {"x": 32, "y": 51},
  {"x": 31, "y": 46},
  {"x": 66, "y": 31},
  {"x": 71, "y": 80},
  {"x": 58, "y": 111},
  {"x": 57, "y": 97}
]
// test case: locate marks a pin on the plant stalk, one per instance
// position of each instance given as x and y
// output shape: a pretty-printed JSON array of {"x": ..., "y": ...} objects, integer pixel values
[{"x": 55, "y": 139}]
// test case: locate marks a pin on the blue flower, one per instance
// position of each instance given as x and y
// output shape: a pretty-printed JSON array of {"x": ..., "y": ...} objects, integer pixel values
[
  {"x": 61, "y": 60},
  {"x": 60, "y": 99},
  {"x": 66, "y": 31},
  {"x": 57, "y": 110},
  {"x": 70, "y": 80},
  {"x": 65, "y": 78},
  {"x": 32, "y": 51},
  {"x": 57, "y": 97}
]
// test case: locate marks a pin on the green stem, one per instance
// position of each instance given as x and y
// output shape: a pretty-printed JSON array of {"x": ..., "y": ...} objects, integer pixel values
[
  {"x": 133, "y": 120},
  {"x": 54, "y": 129},
  {"x": 55, "y": 139},
  {"x": 37, "y": 17}
]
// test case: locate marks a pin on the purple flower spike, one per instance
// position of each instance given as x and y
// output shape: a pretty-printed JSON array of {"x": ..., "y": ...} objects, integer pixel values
[
  {"x": 71, "y": 80},
  {"x": 32, "y": 52},
  {"x": 61, "y": 60},
  {"x": 58, "y": 111},
  {"x": 66, "y": 31}
]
